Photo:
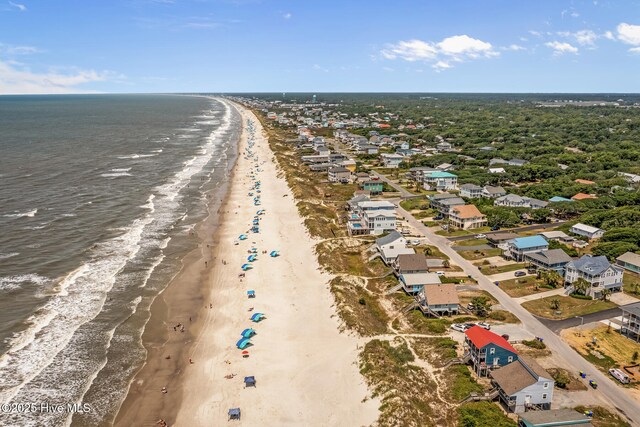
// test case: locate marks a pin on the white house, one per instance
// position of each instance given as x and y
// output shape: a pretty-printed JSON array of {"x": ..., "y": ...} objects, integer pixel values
[
  {"x": 587, "y": 231},
  {"x": 470, "y": 191},
  {"x": 391, "y": 160},
  {"x": 512, "y": 201},
  {"x": 392, "y": 245},
  {"x": 467, "y": 217},
  {"x": 496, "y": 170},
  {"x": 596, "y": 270},
  {"x": 523, "y": 384},
  {"x": 441, "y": 181},
  {"x": 493, "y": 192},
  {"x": 372, "y": 217}
]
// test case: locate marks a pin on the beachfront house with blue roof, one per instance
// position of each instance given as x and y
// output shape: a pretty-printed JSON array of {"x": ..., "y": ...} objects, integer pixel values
[
  {"x": 518, "y": 248},
  {"x": 440, "y": 181}
]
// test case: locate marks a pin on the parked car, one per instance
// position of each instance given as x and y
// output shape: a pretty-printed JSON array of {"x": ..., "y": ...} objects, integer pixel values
[
  {"x": 415, "y": 242},
  {"x": 438, "y": 218},
  {"x": 444, "y": 226},
  {"x": 468, "y": 326},
  {"x": 480, "y": 236},
  {"x": 470, "y": 306},
  {"x": 484, "y": 325},
  {"x": 494, "y": 228},
  {"x": 619, "y": 375},
  {"x": 519, "y": 273},
  {"x": 458, "y": 327},
  {"x": 440, "y": 273}
]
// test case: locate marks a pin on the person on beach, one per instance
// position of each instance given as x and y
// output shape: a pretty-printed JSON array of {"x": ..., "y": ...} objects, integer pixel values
[{"x": 190, "y": 361}]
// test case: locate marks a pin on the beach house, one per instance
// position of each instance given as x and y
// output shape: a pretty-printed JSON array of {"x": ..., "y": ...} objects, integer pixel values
[
  {"x": 597, "y": 271},
  {"x": 391, "y": 160},
  {"x": 512, "y": 201},
  {"x": 552, "y": 259},
  {"x": 487, "y": 350},
  {"x": 339, "y": 174},
  {"x": 440, "y": 181},
  {"x": 373, "y": 186},
  {"x": 554, "y": 418},
  {"x": 470, "y": 191},
  {"x": 519, "y": 247},
  {"x": 629, "y": 261},
  {"x": 410, "y": 264},
  {"x": 493, "y": 192},
  {"x": 439, "y": 300},
  {"x": 467, "y": 217},
  {"x": 372, "y": 217},
  {"x": 523, "y": 385},
  {"x": 412, "y": 283},
  {"x": 444, "y": 202},
  {"x": 630, "y": 322},
  {"x": 586, "y": 231},
  {"x": 392, "y": 245}
]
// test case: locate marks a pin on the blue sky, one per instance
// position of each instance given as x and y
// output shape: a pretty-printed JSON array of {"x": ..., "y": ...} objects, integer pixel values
[{"x": 49, "y": 46}]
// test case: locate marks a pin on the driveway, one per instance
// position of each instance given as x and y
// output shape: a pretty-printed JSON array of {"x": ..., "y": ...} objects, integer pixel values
[
  {"x": 558, "y": 325},
  {"x": 553, "y": 292},
  {"x": 403, "y": 192},
  {"x": 499, "y": 277},
  {"x": 615, "y": 395}
]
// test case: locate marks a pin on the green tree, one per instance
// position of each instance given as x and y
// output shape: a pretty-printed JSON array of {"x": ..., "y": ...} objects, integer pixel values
[
  {"x": 581, "y": 286},
  {"x": 555, "y": 303}
]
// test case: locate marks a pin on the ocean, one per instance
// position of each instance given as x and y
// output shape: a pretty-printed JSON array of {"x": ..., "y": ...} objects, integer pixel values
[{"x": 99, "y": 195}]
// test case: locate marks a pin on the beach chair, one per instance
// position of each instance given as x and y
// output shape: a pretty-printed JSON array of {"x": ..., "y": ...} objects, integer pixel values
[
  {"x": 234, "y": 414},
  {"x": 251, "y": 294}
]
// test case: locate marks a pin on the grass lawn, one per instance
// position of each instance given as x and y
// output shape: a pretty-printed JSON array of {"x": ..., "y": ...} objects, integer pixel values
[
  {"x": 458, "y": 232},
  {"x": 430, "y": 251},
  {"x": 415, "y": 203},
  {"x": 472, "y": 242},
  {"x": 522, "y": 286},
  {"x": 484, "y": 414},
  {"x": 495, "y": 269},
  {"x": 479, "y": 254},
  {"x": 631, "y": 283},
  {"x": 569, "y": 307}
]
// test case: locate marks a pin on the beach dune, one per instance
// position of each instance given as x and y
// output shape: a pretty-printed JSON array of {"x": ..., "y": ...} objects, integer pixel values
[{"x": 305, "y": 369}]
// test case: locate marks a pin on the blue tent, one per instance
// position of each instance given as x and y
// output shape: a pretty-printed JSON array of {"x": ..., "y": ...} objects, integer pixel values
[
  {"x": 246, "y": 267},
  {"x": 275, "y": 253},
  {"x": 251, "y": 294},
  {"x": 252, "y": 257},
  {"x": 234, "y": 413},
  {"x": 242, "y": 343},
  {"x": 242, "y": 237},
  {"x": 257, "y": 317},
  {"x": 248, "y": 333},
  {"x": 250, "y": 381},
  {"x": 260, "y": 212}
]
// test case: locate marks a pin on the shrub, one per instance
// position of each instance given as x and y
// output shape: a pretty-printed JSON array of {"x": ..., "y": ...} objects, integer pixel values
[
  {"x": 535, "y": 344},
  {"x": 580, "y": 296}
]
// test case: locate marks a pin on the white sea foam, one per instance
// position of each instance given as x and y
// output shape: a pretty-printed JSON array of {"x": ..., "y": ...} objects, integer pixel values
[
  {"x": 9, "y": 255},
  {"x": 82, "y": 293},
  {"x": 115, "y": 174},
  {"x": 136, "y": 156},
  {"x": 24, "y": 280},
  {"x": 29, "y": 214},
  {"x": 120, "y": 170}
]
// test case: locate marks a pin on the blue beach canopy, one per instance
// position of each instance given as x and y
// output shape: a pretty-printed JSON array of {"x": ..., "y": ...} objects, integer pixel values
[
  {"x": 242, "y": 237},
  {"x": 257, "y": 317},
  {"x": 246, "y": 267},
  {"x": 248, "y": 333},
  {"x": 274, "y": 253},
  {"x": 252, "y": 258},
  {"x": 251, "y": 293},
  {"x": 250, "y": 381},
  {"x": 242, "y": 343}
]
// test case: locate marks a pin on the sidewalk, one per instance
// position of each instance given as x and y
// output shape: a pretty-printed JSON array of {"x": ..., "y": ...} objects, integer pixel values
[{"x": 558, "y": 291}]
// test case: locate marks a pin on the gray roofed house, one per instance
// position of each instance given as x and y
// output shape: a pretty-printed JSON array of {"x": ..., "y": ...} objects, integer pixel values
[
  {"x": 493, "y": 192},
  {"x": 523, "y": 384},
  {"x": 629, "y": 261},
  {"x": 389, "y": 238},
  {"x": 596, "y": 270},
  {"x": 517, "y": 162},
  {"x": 630, "y": 322},
  {"x": 353, "y": 203},
  {"x": 552, "y": 259},
  {"x": 497, "y": 161},
  {"x": 415, "y": 263},
  {"x": 512, "y": 200},
  {"x": 470, "y": 191},
  {"x": 537, "y": 204}
]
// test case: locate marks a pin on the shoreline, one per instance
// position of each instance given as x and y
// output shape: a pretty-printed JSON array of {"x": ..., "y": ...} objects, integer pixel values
[
  {"x": 144, "y": 401},
  {"x": 300, "y": 381}
]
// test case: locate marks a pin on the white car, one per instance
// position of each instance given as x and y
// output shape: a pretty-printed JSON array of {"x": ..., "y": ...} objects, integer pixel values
[
  {"x": 440, "y": 273},
  {"x": 458, "y": 327},
  {"x": 484, "y": 325},
  {"x": 480, "y": 236},
  {"x": 415, "y": 242}
]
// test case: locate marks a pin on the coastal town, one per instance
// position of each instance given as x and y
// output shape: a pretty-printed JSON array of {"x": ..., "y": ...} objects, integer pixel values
[{"x": 495, "y": 270}]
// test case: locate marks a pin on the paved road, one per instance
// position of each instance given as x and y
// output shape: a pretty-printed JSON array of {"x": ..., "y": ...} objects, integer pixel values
[
  {"x": 558, "y": 325},
  {"x": 513, "y": 230},
  {"x": 607, "y": 390}
]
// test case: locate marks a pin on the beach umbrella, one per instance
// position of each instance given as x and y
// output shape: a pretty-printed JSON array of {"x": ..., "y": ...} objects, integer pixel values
[
  {"x": 251, "y": 294},
  {"x": 257, "y": 317},
  {"x": 252, "y": 257},
  {"x": 243, "y": 237},
  {"x": 246, "y": 267},
  {"x": 242, "y": 343},
  {"x": 275, "y": 253},
  {"x": 248, "y": 333}
]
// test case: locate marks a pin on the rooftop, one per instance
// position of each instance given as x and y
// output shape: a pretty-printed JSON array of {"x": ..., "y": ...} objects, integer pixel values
[
  {"x": 413, "y": 279},
  {"x": 389, "y": 238},
  {"x": 415, "y": 262},
  {"x": 630, "y": 258},
  {"x": 559, "y": 199},
  {"x": 555, "y": 417},
  {"x": 441, "y": 294},
  {"x": 586, "y": 228},
  {"x": 529, "y": 242},
  {"x": 519, "y": 374},
  {"x": 582, "y": 196},
  {"x": 480, "y": 337},
  {"x": 440, "y": 174},
  {"x": 632, "y": 308},
  {"x": 592, "y": 265},
  {"x": 552, "y": 256},
  {"x": 468, "y": 211}
]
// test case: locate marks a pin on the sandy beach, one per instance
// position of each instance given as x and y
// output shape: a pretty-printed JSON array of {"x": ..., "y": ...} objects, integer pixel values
[{"x": 306, "y": 371}]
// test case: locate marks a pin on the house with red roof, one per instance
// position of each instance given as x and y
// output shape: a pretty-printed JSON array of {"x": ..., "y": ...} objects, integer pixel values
[{"x": 487, "y": 350}]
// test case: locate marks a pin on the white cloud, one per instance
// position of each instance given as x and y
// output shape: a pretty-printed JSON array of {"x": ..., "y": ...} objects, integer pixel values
[
  {"x": 585, "y": 37},
  {"x": 287, "y": 16},
  {"x": 11, "y": 50},
  {"x": 629, "y": 34},
  {"x": 514, "y": 47},
  {"x": 609, "y": 35},
  {"x": 411, "y": 50},
  {"x": 458, "y": 48},
  {"x": 19, "y": 6},
  {"x": 560, "y": 48},
  {"x": 18, "y": 79},
  {"x": 635, "y": 50}
]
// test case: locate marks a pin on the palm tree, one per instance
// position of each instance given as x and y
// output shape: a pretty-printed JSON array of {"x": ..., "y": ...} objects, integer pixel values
[
  {"x": 553, "y": 278},
  {"x": 555, "y": 303},
  {"x": 428, "y": 251},
  {"x": 605, "y": 294},
  {"x": 581, "y": 286}
]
